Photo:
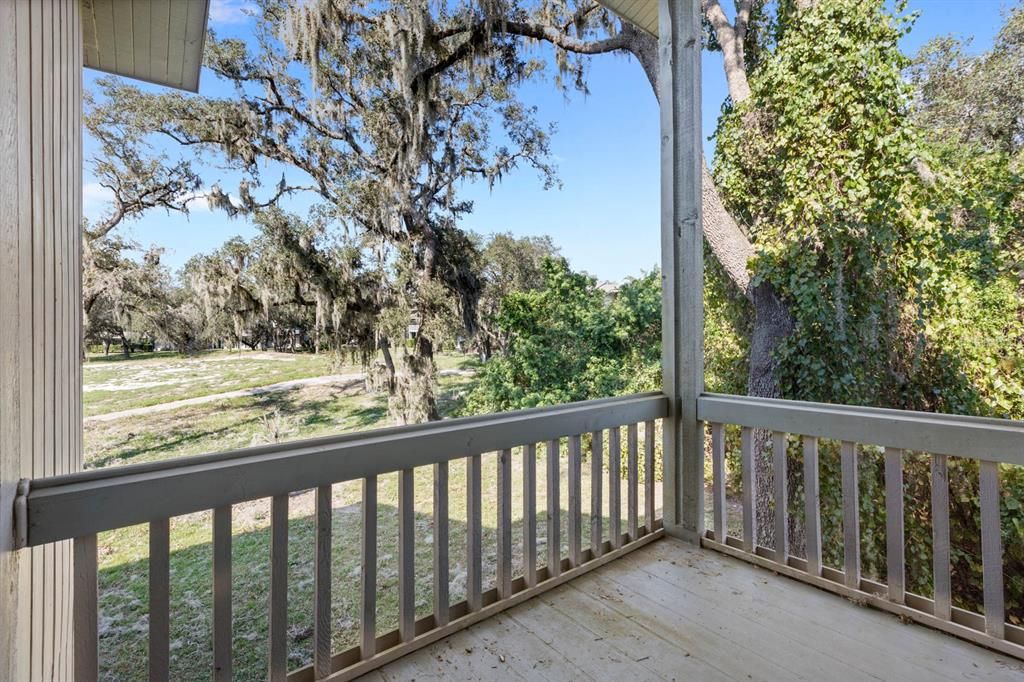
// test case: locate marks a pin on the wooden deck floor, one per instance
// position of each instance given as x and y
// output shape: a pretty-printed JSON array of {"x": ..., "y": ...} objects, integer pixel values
[{"x": 673, "y": 612}]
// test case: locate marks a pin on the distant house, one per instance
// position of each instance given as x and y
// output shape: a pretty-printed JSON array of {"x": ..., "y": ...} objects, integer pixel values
[{"x": 610, "y": 289}]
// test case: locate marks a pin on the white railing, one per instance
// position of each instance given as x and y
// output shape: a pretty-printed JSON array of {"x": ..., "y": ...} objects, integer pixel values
[
  {"x": 81, "y": 505},
  {"x": 990, "y": 441}
]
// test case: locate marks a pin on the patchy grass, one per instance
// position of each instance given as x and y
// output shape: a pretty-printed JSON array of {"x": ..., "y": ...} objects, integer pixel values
[
  {"x": 303, "y": 412},
  {"x": 299, "y": 413},
  {"x": 112, "y": 383}
]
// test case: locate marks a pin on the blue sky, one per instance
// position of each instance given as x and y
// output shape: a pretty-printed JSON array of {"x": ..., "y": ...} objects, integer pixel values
[{"x": 605, "y": 216}]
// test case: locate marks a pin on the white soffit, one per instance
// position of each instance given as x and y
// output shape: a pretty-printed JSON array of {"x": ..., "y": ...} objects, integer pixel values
[
  {"x": 158, "y": 41},
  {"x": 642, "y": 13}
]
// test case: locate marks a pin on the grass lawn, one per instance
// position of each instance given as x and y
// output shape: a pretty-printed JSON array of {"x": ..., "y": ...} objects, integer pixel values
[
  {"x": 112, "y": 383},
  {"x": 298, "y": 413}
]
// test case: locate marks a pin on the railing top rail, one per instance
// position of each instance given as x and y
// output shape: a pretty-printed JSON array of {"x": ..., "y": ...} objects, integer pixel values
[
  {"x": 63, "y": 507},
  {"x": 999, "y": 440}
]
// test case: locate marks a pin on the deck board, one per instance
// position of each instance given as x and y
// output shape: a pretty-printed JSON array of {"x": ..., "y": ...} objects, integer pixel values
[{"x": 671, "y": 611}]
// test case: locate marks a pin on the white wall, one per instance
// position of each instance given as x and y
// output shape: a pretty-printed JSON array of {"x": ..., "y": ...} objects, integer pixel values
[{"x": 40, "y": 218}]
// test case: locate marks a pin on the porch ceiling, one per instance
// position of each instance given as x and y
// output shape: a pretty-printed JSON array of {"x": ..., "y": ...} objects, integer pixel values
[
  {"x": 642, "y": 13},
  {"x": 159, "y": 41}
]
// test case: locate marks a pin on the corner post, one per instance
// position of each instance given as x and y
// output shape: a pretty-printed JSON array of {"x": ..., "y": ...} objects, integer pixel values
[{"x": 682, "y": 264}]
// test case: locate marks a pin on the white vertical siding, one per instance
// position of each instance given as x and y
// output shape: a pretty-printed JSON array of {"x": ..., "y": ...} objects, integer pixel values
[{"x": 40, "y": 318}]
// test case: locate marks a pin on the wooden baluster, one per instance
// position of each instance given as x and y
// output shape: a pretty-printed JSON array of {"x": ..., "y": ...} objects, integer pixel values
[
  {"x": 596, "y": 492},
  {"x": 406, "y": 555},
  {"x": 615, "y": 485},
  {"x": 649, "y": 476},
  {"x": 86, "y": 617},
  {"x": 474, "y": 577},
  {"x": 718, "y": 482},
  {"x": 851, "y": 515},
  {"x": 992, "y": 549},
  {"x": 749, "y": 476},
  {"x": 368, "y": 573},
  {"x": 943, "y": 594},
  {"x": 278, "y": 670},
  {"x": 222, "y": 625},
  {"x": 504, "y": 578},
  {"x": 159, "y": 600},
  {"x": 894, "y": 523},
  {"x": 554, "y": 512},
  {"x": 442, "y": 606},
  {"x": 530, "y": 514},
  {"x": 812, "y": 506},
  {"x": 322, "y": 585},
  {"x": 781, "y": 499},
  {"x": 631, "y": 482},
  {"x": 575, "y": 502}
]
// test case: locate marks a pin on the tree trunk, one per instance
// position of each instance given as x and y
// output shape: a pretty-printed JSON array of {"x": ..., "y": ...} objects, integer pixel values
[
  {"x": 389, "y": 366},
  {"x": 773, "y": 322},
  {"x": 415, "y": 401}
]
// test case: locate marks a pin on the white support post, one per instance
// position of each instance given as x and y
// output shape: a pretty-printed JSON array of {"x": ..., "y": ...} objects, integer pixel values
[
  {"x": 682, "y": 264},
  {"x": 40, "y": 320}
]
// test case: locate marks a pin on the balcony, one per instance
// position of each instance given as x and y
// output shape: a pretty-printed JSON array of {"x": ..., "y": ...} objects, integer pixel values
[
  {"x": 673, "y": 611},
  {"x": 630, "y": 601}
]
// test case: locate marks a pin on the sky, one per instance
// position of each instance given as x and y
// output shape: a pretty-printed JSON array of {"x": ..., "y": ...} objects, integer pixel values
[{"x": 605, "y": 216}]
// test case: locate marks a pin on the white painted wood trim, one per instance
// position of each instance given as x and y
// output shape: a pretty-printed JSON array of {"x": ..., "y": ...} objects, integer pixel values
[
  {"x": 649, "y": 474},
  {"x": 69, "y": 506},
  {"x": 615, "y": 484},
  {"x": 529, "y": 515},
  {"x": 575, "y": 480},
  {"x": 86, "y": 618},
  {"x": 992, "y": 550},
  {"x": 554, "y": 534},
  {"x": 596, "y": 492},
  {"x": 812, "y": 506},
  {"x": 222, "y": 618},
  {"x": 718, "y": 500},
  {"x": 749, "y": 476},
  {"x": 406, "y": 554},
  {"x": 368, "y": 571},
  {"x": 779, "y": 443},
  {"x": 504, "y": 485},
  {"x": 159, "y": 600},
  {"x": 632, "y": 482},
  {"x": 851, "y": 513},
  {"x": 474, "y": 534},
  {"x": 982, "y": 438},
  {"x": 277, "y": 604},
  {"x": 441, "y": 531},
  {"x": 894, "y": 538},
  {"x": 682, "y": 263},
  {"x": 940, "y": 537},
  {"x": 322, "y": 583}
]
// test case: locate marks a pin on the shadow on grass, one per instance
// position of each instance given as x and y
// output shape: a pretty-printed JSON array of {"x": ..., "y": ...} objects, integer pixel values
[
  {"x": 365, "y": 417},
  {"x": 180, "y": 437},
  {"x": 147, "y": 355},
  {"x": 124, "y": 588}
]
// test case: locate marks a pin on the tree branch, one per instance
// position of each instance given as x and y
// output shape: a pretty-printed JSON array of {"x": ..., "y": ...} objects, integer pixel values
[{"x": 732, "y": 48}]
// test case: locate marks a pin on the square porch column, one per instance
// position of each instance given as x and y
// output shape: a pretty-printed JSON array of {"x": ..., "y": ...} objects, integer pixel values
[{"x": 682, "y": 264}]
